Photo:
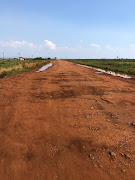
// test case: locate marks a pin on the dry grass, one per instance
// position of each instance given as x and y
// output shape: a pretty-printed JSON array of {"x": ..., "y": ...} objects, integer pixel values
[
  {"x": 30, "y": 65},
  {"x": 17, "y": 67},
  {"x": 20, "y": 67}
]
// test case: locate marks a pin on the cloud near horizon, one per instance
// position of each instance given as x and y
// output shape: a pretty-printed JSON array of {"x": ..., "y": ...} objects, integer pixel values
[
  {"x": 21, "y": 44},
  {"x": 95, "y": 45},
  {"x": 48, "y": 48},
  {"x": 16, "y": 44},
  {"x": 50, "y": 44}
]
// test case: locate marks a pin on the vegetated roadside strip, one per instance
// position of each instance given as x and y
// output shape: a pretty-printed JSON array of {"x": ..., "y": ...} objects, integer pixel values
[
  {"x": 12, "y": 67},
  {"x": 126, "y": 66}
]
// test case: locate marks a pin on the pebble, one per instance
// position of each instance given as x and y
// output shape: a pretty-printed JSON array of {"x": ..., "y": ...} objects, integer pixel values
[
  {"x": 90, "y": 156},
  {"x": 133, "y": 124},
  {"x": 123, "y": 170},
  {"x": 112, "y": 154},
  {"x": 121, "y": 154},
  {"x": 125, "y": 155}
]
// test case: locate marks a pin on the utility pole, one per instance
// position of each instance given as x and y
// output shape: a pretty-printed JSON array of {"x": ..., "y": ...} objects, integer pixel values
[
  {"x": 32, "y": 56},
  {"x": 3, "y": 55},
  {"x": 19, "y": 55}
]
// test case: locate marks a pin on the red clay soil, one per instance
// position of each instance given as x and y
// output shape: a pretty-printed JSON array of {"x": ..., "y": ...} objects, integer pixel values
[{"x": 67, "y": 123}]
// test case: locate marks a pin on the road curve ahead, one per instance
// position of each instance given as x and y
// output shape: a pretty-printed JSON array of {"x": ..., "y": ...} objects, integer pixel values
[{"x": 67, "y": 123}]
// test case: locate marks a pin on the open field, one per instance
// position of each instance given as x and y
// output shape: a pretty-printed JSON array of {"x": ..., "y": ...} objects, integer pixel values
[
  {"x": 10, "y": 67},
  {"x": 67, "y": 123},
  {"x": 126, "y": 66}
]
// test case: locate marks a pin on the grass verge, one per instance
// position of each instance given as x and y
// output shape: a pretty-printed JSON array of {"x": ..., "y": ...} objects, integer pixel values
[
  {"x": 126, "y": 66},
  {"x": 13, "y": 67}
]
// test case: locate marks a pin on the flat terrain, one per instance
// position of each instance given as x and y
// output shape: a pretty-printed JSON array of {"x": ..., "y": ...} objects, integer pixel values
[
  {"x": 67, "y": 123},
  {"x": 126, "y": 66},
  {"x": 13, "y": 67}
]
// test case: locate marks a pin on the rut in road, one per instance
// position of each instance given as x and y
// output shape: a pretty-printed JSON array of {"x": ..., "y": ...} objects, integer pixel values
[{"x": 67, "y": 123}]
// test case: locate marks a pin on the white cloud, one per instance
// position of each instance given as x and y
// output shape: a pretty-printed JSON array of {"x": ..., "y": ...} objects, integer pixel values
[
  {"x": 11, "y": 48},
  {"x": 132, "y": 46},
  {"x": 108, "y": 47},
  {"x": 25, "y": 44},
  {"x": 95, "y": 45},
  {"x": 50, "y": 44},
  {"x": 16, "y": 44}
]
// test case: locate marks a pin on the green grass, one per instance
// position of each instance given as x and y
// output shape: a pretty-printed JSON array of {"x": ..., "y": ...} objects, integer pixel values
[
  {"x": 126, "y": 66},
  {"x": 10, "y": 63},
  {"x": 13, "y": 67}
]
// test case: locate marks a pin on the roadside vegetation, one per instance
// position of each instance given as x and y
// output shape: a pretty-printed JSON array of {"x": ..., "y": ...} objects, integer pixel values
[
  {"x": 12, "y": 67},
  {"x": 126, "y": 66}
]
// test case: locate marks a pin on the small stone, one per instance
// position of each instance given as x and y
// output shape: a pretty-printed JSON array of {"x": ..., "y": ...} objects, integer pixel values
[
  {"x": 123, "y": 170},
  {"x": 91, "y": 157},
  {"x": 121, "y": 154},
  {"x": 128, "y": 156},
  {"x": 112, "y": 154},
  {"x": 133, "y": 124},
  {"x": 125, "y": 155},
  {"x": 100, "y": 166}
]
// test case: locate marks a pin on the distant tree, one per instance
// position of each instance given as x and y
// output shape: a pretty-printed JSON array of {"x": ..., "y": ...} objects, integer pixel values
[{"x": 38, "y": 58}]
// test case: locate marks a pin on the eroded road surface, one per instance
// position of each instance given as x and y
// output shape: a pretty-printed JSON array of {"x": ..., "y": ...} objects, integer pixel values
[{"x": 67, "y": 123}]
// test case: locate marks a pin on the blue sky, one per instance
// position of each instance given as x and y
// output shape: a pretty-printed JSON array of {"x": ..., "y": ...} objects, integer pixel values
[{"x": 67, "y": 29}]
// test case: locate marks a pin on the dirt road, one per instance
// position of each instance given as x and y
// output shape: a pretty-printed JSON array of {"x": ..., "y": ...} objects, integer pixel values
[{"x": 67, "y": 123}]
